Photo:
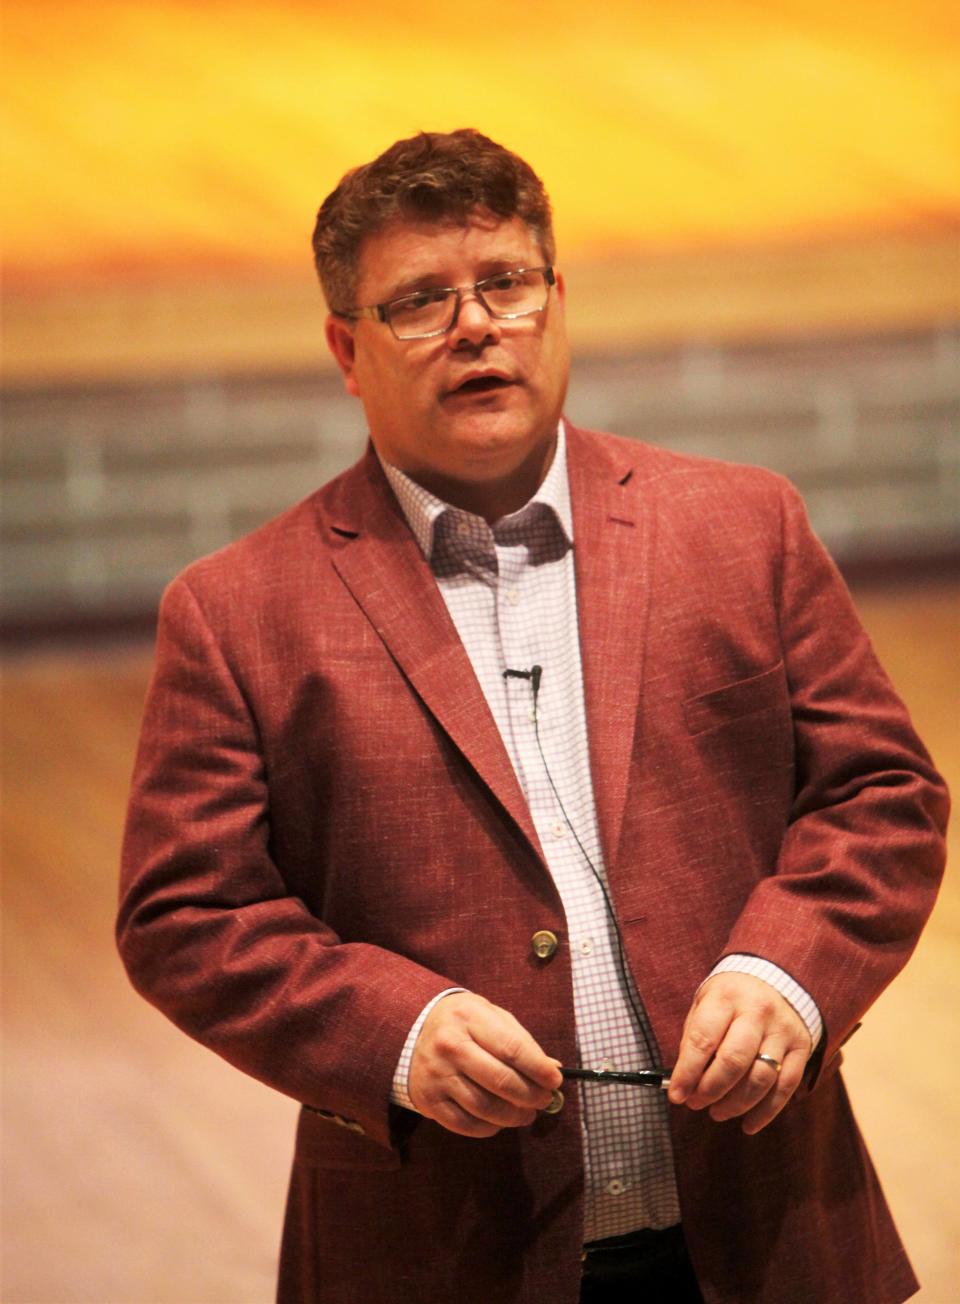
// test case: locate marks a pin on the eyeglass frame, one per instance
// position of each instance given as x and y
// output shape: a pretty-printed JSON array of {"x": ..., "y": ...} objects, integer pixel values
[{"x": 379, "y": 311}]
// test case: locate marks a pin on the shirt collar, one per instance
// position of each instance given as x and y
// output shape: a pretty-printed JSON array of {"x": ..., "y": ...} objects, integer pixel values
[{"x": 423, "y": 509}]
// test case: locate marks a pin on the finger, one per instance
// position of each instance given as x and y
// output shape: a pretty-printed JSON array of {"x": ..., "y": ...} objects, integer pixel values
[
  {"x": 753, "y": 1087},
  {"x": 455, "y": 1118},
  {"x": 477, "y": 1070},
  {"x": 452, "y": 1051},
  {"x": 703, "y": 1032},
  {"x": 732, "y": 1060},
  {"x": 488, "y": 1108},
  {"x": 788, "y": 1079},
  {"x": 509, "y": 1044},
  {"x": 447, "y": 1095},
  {"x": 476, "y": 1114}
]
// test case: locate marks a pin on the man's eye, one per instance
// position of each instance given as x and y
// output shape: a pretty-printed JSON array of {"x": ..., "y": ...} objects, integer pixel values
[
  {"x": 506, "y": 281},
  {"x": 412, "y": 304}
]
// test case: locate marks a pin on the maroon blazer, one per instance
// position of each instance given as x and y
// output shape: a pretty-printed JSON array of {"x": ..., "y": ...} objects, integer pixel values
[{"x": 325, "y": 831}]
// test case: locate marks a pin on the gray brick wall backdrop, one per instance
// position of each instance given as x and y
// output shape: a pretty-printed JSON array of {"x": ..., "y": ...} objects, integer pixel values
[{"x": 108, "y": 490}]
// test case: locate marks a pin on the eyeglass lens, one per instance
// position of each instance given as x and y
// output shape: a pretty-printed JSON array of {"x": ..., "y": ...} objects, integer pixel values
[{"x": 509, "y": 294}]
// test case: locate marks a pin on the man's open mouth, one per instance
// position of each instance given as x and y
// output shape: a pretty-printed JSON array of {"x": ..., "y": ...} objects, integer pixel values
[{"x": 482, "y": 385}]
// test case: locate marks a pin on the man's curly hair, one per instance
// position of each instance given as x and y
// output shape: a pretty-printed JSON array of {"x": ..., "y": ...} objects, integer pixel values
[{"x": 431, "y": 177}]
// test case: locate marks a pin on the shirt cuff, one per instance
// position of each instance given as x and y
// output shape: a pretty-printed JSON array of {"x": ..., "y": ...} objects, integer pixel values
[
  {"x": 799, "y": 998},
  {"x": 399, "y": 1094}
]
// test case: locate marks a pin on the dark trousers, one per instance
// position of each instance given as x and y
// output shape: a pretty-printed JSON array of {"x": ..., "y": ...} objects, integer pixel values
[{"x": 645, "y": 1267}]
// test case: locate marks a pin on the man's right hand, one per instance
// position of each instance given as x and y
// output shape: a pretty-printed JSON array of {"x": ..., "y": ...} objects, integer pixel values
[{"x": 475, "y": 1070}]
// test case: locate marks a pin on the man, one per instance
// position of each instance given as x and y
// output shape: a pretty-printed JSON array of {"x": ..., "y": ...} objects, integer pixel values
[{"x": 514, "y": 747}]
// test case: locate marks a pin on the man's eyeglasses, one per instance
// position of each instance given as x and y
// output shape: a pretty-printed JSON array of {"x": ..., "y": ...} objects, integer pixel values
[{"x": 516, "y": 293}]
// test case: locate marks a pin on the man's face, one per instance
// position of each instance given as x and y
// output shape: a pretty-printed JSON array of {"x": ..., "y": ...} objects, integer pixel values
[{"x": 471, "y": 415}]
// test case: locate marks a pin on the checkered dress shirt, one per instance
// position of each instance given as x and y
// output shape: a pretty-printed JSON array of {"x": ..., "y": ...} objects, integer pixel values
[{"x": 510, "y": 590}]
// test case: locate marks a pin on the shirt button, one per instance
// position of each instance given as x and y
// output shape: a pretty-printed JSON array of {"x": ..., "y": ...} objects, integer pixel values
[
  {"x": 616, "y": 1187},
  {"x": 532, "y": 715},
  {"x": 513, "y": 597},
  {"x": 558, "y": 828},
  {"x": 586, "y": 946},
  {"x": 607, "y": 1066}
]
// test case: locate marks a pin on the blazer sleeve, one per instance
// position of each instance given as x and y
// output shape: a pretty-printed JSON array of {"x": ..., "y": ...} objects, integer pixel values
[
  {"x": 207, "y": 928},
  {"x": 863, "y": 855}
]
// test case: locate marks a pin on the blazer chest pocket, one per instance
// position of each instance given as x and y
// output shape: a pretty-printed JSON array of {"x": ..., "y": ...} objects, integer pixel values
[
  {"x": 733, "y": 701},
  {"x": 324, "y": 1141}
]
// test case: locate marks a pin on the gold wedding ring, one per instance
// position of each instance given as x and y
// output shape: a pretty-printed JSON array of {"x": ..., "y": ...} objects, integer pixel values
[{"x": 768, "y": 1059}]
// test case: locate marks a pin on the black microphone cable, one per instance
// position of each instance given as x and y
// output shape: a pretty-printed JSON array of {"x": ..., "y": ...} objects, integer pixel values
[{"x": 534, "y": 675}]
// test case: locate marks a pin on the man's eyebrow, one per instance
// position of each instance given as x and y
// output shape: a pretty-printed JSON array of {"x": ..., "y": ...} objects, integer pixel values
[
  {"x": 436, "y": 280},
  {"x": 411, "y": 284}
]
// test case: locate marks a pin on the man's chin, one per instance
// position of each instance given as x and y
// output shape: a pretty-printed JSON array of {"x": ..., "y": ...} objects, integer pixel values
[
  {"x": 495, "y": 425},
  {"x": 497, "y": 449},
  {"x": 493, "y": 447}
]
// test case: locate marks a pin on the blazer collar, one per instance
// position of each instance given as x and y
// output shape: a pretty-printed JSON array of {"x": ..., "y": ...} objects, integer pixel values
[
  {"x": 614, "y": 533},
  {"x": 380, "y": 562}
]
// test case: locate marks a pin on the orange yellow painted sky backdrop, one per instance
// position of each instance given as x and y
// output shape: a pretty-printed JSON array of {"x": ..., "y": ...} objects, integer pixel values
[{"x": 142, "y": 136}]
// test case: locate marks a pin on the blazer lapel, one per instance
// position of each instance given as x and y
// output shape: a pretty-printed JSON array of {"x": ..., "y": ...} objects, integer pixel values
[
  {"x": 380, "y": 562},
  {"x": 613, "y": 548}
]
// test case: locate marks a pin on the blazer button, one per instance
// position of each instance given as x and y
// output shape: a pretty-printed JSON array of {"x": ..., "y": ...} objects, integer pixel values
[
  {"x": 544, "y": 944},
  {"x": 556, "y": 1103}
]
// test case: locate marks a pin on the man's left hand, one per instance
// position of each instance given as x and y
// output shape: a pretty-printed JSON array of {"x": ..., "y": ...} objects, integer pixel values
[{"x": 734, "y": 1018}]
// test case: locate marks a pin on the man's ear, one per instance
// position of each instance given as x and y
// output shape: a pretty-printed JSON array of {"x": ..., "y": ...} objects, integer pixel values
[{"x": 342, "y": 345}]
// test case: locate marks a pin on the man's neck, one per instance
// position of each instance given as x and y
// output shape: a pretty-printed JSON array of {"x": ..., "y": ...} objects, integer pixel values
[{"x": 490, "y": 499}]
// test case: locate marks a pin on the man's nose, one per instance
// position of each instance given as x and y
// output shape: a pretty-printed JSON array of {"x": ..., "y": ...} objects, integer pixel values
[{"x": 474, "y": 324}]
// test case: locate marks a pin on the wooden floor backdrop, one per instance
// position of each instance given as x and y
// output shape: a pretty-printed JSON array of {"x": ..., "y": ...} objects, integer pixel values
[{"x": 139, "y": 1169}]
